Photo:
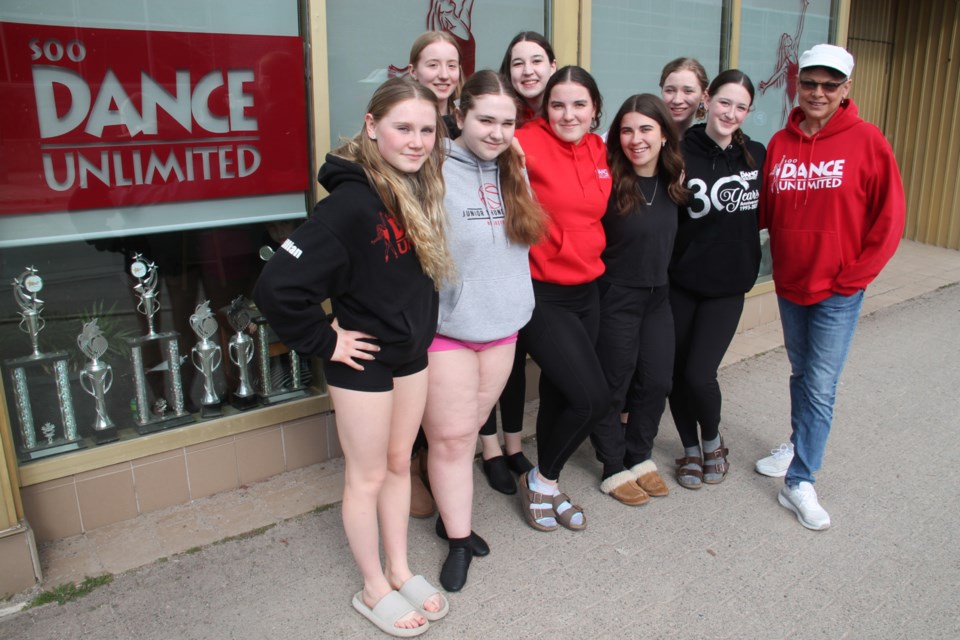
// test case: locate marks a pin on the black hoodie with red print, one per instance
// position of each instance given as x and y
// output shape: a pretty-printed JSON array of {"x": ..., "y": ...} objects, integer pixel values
[{"x": 353, "y": 252}]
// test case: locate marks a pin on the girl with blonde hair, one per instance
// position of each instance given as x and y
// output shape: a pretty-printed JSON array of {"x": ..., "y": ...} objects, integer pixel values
[
  {"x": 435, "y": 63},
  {"x": 376, "y": 248}
]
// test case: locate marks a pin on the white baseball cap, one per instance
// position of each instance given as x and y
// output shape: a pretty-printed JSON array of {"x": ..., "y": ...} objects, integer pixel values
[{"x": 828, "y": 55}]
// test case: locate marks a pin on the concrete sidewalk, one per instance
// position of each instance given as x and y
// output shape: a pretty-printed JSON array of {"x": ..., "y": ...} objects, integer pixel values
[{"x": 725, "y": 561}]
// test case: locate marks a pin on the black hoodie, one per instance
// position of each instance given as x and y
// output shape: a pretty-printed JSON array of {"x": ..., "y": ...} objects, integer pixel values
[
  {"x": 352, "y": 252},
  {"x": 717, "y": 250}
]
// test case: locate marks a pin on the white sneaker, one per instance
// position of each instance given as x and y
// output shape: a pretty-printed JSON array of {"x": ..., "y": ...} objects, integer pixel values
[
  {"x": 776, "y": 465},
  {"x": 802, "y": 500}
]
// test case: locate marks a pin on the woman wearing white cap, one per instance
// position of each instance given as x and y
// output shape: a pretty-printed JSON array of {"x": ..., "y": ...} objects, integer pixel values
[{"x": 835, "y": 210}]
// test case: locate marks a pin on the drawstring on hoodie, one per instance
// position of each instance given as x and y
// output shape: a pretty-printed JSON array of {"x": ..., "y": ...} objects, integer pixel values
[
  {"x": 796, "y": 193},
  {"x": 718, "y": 153},
  {"x": 483, "y": 200},
  {"x": 813, "y": 146},
  {"x": 574, "y": 151}
]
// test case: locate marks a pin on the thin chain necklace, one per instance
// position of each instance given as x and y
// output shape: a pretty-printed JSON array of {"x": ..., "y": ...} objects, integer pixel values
[{"x": 649, "y": 200}]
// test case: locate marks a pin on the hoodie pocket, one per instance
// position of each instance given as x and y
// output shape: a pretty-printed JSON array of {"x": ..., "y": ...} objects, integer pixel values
[
  {"x": 449, "y": 299},
  {"x": 489, "y": 309},
  {"x": 807, "y": 261},
  {"x": 579, "y": 248}
]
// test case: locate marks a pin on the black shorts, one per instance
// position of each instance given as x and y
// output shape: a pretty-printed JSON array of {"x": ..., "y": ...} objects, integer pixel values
[{"x": 376, "y": 375}]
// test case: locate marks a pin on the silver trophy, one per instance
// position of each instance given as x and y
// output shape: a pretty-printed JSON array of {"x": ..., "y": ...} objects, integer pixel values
[
  {"x": 25, "y": 289},
  {"x": 206, "y": 356},
  {"x": 241, "y": 351},
  {"x": 289, "y": 386},
  {"x": 168, "y": 409},
  {"x": 96, "y": 378},
  {"x": 146, "y": 274},
  {"x": 36, "y": 370}
]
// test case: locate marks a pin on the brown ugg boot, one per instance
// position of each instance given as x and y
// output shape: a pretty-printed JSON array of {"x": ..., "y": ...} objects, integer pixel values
[
  {"x": 649, "y": 479},
  {"x": 622, "y": 486}
]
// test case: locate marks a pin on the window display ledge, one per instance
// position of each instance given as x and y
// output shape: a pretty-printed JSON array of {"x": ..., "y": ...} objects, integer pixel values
[{"x": 164, "y": 441}]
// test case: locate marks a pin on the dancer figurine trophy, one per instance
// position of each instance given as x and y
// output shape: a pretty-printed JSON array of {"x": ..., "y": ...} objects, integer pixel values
[
  {"x": 96, "y": 378},
  {"x": 35, "y": 370},
  {"x": 206, "y": 357},
  {"x": 241, "y": 353},
  {"x": 168, "y": 409}
]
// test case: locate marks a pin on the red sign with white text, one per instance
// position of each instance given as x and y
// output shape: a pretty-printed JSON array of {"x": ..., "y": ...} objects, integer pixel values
[{"x": 96, "y": 117}]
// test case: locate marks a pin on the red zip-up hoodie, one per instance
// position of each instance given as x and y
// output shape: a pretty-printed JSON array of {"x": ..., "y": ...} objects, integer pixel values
[
  {"x": 572, "y": 183},
  {"x": 834, "y": 206}
]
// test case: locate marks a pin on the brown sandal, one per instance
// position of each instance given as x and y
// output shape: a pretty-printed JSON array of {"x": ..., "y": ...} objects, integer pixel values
[
  {"x": 530, "y": 500},
  {"x": 718, "y": 468},
  {"x": 684, "y": 475},
  {"x": 566, "y": 518}
]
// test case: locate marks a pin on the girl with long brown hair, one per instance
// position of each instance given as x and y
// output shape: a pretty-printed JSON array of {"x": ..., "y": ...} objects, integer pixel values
[
  {"x": 492, "y": 220},
  {"x": 636, "y": 326},
  {"x": 567, "y": 165},
  {"x": 528, "y": 63},
  {"x": 715, "y": 262}
]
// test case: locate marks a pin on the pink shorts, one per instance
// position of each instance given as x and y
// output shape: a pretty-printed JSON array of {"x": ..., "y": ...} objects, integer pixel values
[{"x": 443, "y": 343}]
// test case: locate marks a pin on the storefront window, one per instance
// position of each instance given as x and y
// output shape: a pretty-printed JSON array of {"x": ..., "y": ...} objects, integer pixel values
[
  {"x": 773, "y": 34},
  {"x": 366, "y": 47},
  {"x": 631, "y": 40},
  {"x": 149, "y": 152}
]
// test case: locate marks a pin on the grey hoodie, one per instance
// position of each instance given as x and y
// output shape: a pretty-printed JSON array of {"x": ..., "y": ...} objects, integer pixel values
[{"x": 492, "y": 295}]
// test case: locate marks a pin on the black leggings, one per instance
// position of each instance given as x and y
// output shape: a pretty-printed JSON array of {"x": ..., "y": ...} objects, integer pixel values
[
  {"x": 512, "y": 398},
  {"x": 636, "y": 350},
  {"x": 704, "y": 329},
  {"x": 561, "y": 338}
]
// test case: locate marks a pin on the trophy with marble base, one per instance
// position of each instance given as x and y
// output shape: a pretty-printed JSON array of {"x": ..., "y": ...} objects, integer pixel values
[
  {"x": 39, "y": 370},
  {"x": 206, "y": 357},
  {"x": 168, "y": 410},
  {"x": 268, "y": 392},
  {"x": 96, "y": 378},
  {"x": 241, "y": 351}
]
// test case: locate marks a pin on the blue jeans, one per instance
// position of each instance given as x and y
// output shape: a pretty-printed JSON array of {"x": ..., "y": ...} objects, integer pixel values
[{"x": 817, "y": 338}]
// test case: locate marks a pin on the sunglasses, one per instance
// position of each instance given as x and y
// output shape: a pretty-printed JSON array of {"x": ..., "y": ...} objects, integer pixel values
[{"x": 828, "y": 87}]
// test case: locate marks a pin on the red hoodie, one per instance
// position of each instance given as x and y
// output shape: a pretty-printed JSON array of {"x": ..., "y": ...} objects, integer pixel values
[
  {"x": 834, "y": 206},
  {"x": 572, "y": 183}
]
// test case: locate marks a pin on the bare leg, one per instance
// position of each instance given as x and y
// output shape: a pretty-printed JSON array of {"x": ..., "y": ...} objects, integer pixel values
[
  {"x": 491, "y": 446},
  {"x": 464, "y": 385},
  {"x": 513, "y": 442},
  {"x": 394, "y": 505},
  {"x": 371, "y": 426}
]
